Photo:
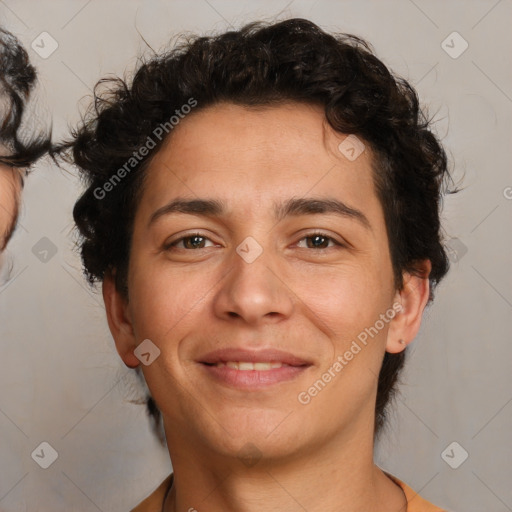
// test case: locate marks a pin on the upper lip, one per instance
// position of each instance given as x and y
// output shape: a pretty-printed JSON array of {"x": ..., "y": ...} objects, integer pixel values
[{"x": 253, "y": 356}]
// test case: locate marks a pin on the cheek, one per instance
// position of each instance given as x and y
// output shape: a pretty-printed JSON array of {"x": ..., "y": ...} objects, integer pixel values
[
  {"x": 347, "y": 304},
  {"x": 9, "y": 192},
  {"x": 346, "y": 297},
  {"x": 164, "y": 301}
]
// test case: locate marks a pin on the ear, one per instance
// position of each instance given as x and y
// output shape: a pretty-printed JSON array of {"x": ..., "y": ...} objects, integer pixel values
[
  {"x": 119, "y": 321},
  {"x": 412, "y": 300}
]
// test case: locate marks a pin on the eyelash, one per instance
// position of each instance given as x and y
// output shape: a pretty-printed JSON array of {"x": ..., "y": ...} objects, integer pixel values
[{"x": 308, "y": 235}]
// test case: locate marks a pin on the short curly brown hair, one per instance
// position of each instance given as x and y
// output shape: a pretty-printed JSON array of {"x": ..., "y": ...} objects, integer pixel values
[{"x": 267, "y": 64}]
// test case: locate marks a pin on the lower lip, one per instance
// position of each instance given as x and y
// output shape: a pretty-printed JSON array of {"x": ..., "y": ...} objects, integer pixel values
[{"x": 253, "y": 379}]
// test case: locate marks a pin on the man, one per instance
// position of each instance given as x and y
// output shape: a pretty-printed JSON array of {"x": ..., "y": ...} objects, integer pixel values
[
  {"x": 17, "y": 78},
  {"x": 262, "y": 209}
]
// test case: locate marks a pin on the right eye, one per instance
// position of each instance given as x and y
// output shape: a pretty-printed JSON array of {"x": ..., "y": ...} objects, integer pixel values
[{"x": 189, "y": 242}]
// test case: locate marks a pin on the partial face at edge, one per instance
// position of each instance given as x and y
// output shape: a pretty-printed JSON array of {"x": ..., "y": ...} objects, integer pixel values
[
  {"x": 10, "y": 188},
  {"x": 320, "y": 280}
]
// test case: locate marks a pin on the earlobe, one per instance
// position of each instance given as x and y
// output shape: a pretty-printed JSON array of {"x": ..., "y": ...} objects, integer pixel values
[
  {"x": 119, "y": 321},
  {"x": 412, "y": 299}
]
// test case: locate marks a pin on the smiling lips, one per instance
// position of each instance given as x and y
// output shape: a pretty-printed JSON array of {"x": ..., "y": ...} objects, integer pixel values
[
  {"x": 244, "y": 366},
  {"x": 247, "y": 370}
]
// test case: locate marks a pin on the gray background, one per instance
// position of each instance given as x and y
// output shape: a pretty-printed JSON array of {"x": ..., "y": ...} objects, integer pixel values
[{"x": 60, "y": 378}]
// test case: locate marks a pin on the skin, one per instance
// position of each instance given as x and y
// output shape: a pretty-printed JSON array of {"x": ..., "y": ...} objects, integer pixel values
[
  {"x": 294, "y": 297},
  {"x": 10, "y": 188}
]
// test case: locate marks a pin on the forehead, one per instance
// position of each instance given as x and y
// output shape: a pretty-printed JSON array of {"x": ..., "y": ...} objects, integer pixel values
[{"x": 253, "y": 156}]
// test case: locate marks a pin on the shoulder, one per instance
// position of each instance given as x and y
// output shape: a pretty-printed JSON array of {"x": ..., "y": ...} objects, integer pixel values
[
  {"x": 153, "y": 503},
  {"x": 415, "y": 503}
]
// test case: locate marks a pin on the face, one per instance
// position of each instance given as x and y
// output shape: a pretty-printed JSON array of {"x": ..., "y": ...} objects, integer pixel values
[
  {"x": 255, "y": 290},
  {"x": 10, "y": 186}
]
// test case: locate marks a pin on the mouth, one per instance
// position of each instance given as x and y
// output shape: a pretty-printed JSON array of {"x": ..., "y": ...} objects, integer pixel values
[
  {"x": 251, "y": 370},
  {"x": 245, "y": 366}
]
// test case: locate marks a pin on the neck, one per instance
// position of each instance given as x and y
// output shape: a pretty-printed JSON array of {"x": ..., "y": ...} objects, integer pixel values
[{"x": 338, "y": 476}]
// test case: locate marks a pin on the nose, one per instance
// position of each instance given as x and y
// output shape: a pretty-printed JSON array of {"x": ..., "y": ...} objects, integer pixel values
[{"x": 254, "y": 292}]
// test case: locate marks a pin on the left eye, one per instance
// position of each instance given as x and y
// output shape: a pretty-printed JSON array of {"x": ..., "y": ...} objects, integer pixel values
[{"x": 319, "y": 241}]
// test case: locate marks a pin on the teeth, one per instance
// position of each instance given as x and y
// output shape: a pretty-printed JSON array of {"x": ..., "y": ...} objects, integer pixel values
[
  {"x": 244, "y": 366},
  {"x": 262, "y": 366}
]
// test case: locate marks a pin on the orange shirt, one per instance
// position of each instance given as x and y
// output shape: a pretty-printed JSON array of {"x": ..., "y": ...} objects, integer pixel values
[{"x": 415, "y": 503}]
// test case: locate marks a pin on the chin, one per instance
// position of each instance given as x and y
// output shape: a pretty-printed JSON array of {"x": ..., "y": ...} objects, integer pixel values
[{"x": 264, "y": 433}]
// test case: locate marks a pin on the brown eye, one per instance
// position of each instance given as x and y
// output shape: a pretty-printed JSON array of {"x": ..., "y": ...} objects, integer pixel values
[
  {"x": 320, "y": 241},
  {"x": 189, "y": 242},
  {"x": 193, "y": 242}
]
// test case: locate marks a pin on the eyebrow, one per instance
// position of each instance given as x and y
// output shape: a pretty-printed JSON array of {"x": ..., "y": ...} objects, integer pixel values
[{"x": 291, "y": 208}]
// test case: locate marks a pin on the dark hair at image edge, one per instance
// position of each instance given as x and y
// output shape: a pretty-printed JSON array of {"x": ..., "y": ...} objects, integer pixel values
[
  {"x": 266, "y": 64},
  {"x": 17, "y": 79}
]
